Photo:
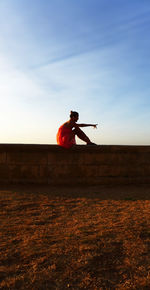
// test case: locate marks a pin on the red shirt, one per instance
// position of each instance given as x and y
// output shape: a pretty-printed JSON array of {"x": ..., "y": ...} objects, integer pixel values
[{"x": 64, "y": 137}]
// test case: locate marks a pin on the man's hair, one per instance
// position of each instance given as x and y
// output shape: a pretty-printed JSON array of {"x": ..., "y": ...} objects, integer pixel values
[{"x": 73, "y": 114}]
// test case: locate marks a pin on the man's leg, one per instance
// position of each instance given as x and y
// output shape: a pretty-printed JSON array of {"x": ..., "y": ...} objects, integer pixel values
[{"x": 81, "y": 135}]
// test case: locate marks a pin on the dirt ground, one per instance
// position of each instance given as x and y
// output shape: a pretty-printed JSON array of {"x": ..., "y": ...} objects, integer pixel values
[{"x": 79, "y": 237}]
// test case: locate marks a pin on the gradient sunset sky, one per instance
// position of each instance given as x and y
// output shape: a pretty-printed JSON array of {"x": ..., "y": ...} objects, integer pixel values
[{"x": 91, "y": 56}]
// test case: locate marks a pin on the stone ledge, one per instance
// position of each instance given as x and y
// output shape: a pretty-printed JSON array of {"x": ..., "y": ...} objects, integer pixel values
[
  {"x": 51, "y": 147},
  {"x": 51, "y": 164}
]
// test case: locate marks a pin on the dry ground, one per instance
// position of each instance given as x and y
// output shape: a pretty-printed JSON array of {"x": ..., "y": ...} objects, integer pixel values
[{"x": 75, "y": 238}]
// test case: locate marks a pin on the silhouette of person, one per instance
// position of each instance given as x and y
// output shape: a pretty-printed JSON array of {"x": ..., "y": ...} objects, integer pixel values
[{"x": 67, "y": 132}]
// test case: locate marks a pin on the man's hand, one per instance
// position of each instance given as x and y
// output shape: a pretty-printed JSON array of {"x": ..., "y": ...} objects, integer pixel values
[{"x": 95, "y": 126}]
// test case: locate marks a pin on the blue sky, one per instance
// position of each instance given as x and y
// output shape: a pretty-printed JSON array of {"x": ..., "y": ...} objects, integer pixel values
[{"x": 91, "y": 56}]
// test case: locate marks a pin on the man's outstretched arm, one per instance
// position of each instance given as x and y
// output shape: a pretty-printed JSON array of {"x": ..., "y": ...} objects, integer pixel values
[{"x": 87, "y": 125}]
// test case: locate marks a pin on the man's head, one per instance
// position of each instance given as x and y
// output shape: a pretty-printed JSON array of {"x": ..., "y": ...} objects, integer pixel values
[{"x": 74, "y": 116}]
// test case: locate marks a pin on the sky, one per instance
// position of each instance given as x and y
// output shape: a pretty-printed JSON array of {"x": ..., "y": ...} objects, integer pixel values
[{"x": 90, "y": 56}]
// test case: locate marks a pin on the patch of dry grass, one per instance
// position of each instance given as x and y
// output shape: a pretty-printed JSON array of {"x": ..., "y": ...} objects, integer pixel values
[{"x": 73, "y": 241}]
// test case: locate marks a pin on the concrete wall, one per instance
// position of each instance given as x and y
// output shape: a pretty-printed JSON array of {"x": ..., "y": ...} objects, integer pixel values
[{"x": 51, "y": 164}]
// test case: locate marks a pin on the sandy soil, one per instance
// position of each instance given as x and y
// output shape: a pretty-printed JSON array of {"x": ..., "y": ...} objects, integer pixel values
[{"x": 74, "y": 238}]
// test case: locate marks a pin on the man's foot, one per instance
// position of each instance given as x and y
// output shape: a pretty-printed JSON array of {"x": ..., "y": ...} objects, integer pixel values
[{"x": 91, "y": 144}]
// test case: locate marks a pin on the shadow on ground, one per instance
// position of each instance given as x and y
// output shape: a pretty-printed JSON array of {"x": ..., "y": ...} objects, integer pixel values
[{"x": 103, "y": 192}]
